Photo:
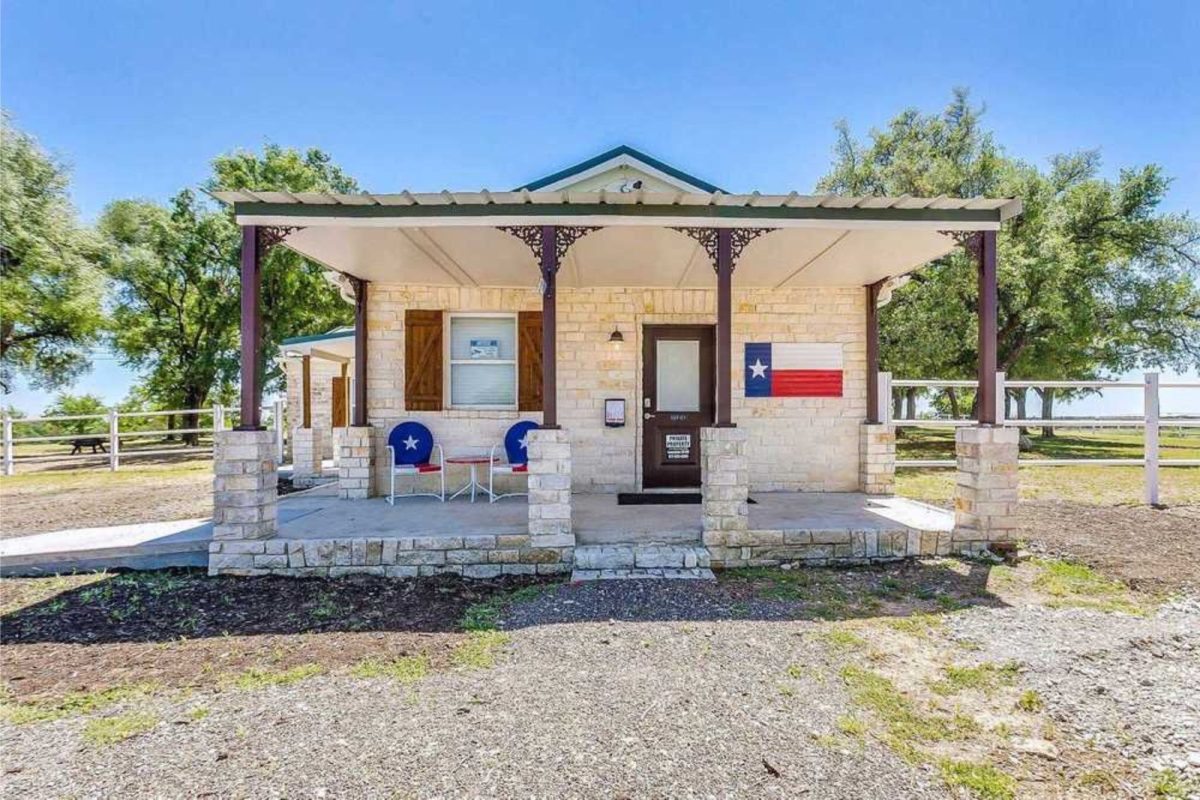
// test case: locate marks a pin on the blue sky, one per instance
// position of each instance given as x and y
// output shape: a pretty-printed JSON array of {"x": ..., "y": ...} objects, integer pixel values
[{"x": 139, "y": 96}]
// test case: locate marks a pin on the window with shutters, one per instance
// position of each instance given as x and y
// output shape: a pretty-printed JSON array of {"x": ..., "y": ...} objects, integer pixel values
[{"x": 481, "y": 357}]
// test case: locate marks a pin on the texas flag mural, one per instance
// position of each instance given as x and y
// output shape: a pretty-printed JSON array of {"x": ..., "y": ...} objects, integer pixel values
[{"x": 795, "y": 369}]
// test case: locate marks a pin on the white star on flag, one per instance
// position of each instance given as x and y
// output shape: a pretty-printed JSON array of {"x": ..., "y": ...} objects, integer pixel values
[
  {"x": 410, "y": 443},
  {"x": 758, "y": 369},
  {"x": 524, "y": 441}
]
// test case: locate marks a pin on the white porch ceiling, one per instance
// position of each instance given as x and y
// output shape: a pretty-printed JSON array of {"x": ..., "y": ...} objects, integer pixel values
[{"x": 619, "y": 256}]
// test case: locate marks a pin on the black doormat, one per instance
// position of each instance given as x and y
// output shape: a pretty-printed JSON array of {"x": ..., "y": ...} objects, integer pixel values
[
  {"x": 662, "y": 499},
  {"x": 658, "y": 499}
]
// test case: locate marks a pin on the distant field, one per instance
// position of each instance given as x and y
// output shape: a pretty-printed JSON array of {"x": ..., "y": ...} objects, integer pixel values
[{"x": 1084, "y": 484}]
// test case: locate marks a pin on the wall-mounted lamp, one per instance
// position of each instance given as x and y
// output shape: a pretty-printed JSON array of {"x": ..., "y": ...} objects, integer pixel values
[{"x": 615, "y": 337}]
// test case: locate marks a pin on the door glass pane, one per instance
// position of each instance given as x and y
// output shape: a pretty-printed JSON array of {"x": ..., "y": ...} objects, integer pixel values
[{"x": 678, "y": 371}]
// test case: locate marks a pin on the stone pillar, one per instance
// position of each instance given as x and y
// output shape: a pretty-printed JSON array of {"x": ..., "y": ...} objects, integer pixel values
[
  {"x": 985, "y": 492},
  {"x": 244, "y": 499},
  {"x": 877, "y": 459},
  {"x": 550, "y": 488},
  {"x": 724, "y": 480},
  {"x": 355, "y": 464},
  {"x": 308, "y": 446}
]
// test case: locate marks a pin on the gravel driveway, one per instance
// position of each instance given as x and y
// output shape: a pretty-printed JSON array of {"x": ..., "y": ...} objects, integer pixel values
[
  {"x": 665, "y": 689},
  {"x": 575, "y": 710}
]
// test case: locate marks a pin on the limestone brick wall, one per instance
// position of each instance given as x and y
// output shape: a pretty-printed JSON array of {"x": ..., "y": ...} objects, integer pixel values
[
  {"x": 322, "y": 372},
  {"x": 809, "y": 444}
]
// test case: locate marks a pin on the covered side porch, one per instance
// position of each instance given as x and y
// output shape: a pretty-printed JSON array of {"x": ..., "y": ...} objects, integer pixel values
[{"x": 799, "y": 276}]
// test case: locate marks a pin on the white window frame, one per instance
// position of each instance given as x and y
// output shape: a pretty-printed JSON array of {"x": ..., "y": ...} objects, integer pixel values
[{"x": 449, "y": 363}]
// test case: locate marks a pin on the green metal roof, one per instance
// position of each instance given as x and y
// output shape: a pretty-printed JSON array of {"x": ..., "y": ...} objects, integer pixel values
[
  {"x": 336, "y": 333},
  {"x": 622, "y": 150}
]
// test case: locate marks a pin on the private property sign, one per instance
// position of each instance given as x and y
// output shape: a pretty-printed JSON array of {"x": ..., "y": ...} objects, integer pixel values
[{"x": 794, "y": 369}]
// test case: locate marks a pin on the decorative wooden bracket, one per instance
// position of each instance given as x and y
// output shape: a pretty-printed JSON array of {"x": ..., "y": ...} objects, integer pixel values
[
  {"x": 565, "y": 236},
  {"x": 740, "y": 237},
  {"x": 271, "y": 235}
]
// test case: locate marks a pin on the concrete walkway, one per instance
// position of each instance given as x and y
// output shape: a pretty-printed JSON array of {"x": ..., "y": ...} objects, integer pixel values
[{"x": 148, "y": 545}]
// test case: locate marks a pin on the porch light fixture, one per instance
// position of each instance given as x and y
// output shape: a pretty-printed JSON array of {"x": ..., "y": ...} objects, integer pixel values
[{"x": 615, "y": 337}]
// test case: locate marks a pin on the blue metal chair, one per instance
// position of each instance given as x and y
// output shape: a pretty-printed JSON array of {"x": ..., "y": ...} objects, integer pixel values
[
  {"x": 410, "y": 448},
  {"x": 515, "y": 446}
]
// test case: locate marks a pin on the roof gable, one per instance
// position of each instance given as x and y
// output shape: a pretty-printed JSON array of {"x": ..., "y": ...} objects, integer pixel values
[{"x": 622, "y": 169}]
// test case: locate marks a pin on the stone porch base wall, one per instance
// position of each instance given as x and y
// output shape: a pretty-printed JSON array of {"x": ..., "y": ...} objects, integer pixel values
[
  {"x": 475, "y": 556},
  {"x": 877, "y": 459},
  {"x": 986, "y": 488},
  {"x": 307, "y": 446},
  {"x": 766, "y": 548},
  {"x": 355, "y": 462}
]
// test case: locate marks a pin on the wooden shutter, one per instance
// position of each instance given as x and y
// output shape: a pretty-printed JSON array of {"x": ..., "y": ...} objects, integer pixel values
[
  {"x": 529, "y": 360},
  {"x": 340, "y": 385},
  {"x": 422, "y": 360}
]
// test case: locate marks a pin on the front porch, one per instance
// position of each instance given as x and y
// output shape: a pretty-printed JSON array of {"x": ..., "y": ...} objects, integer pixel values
[
  {"x": 320, "y": 534},
  {"x": 614, "y": 321}
]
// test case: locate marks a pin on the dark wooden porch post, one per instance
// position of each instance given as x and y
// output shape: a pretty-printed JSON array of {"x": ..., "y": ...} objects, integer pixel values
[
  {"x": 251, "y": 329},
  {"x": 873, "y": 415},
  {"x": 549, "y": 265},
  {"x": 306, "y": 382},
  {"x": 360, "y": 352},
  {"x": 987, "y": 327},
  {"x": 724, "y": 331}
]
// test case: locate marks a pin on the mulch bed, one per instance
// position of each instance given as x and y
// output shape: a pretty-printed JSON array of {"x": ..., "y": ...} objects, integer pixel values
[{"x": 178, "y": 628}]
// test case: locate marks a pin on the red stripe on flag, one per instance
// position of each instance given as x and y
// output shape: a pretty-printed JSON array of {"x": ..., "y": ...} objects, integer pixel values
[{"x": 806, "y": 383}]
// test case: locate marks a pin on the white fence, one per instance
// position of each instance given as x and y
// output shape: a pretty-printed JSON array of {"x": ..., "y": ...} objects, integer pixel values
[
  {"x": 1150, "y": 421},
  {"x": 110, "y": 441}
]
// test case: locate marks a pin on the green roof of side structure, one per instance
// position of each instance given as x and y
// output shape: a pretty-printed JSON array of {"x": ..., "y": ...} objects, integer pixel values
[
  {"x": 336, "y": 333},
  {"x": 622, "y": 150}
]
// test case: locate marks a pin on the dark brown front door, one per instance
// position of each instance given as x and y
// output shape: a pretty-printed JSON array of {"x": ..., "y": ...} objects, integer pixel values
[{"x": 679, "y": 380}]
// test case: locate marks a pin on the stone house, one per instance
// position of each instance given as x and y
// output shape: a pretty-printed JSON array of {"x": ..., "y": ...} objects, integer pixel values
[{"x": 667, "y": 336}]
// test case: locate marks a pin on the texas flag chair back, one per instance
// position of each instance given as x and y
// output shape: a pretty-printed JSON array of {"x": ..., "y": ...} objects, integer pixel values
[
  {"x": 516, "y": 450},
  {"x": 411, "y": 450}
]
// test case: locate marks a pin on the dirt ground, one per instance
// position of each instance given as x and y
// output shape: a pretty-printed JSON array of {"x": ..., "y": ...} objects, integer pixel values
[
  {"x": 1150, "y": 549},
  {"x": 931, "y": 679},
  {"x": 63, "y": 498}
]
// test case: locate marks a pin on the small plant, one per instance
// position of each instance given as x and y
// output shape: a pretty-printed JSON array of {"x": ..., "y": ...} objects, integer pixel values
[
  {"x": 1030, "y": 701},
  {"x": 842, "y": 639},
  {"x": 986, "y": 678},
  {"x": 485, "y": 615},
  {"x": 1170, "y": 785},
  {"x": 18, "y": 713},
  {"x": 919, "y": 625},
  {"x": 406, "y": 669},
  {"x": 110, "y": 730},
  {"x": 198, "y": 713},
  {"x": 852, "y": 727},
  {"x": 480, "y": 649},
  {"x": 795, "y": 671},
  {"x": 983, "y": 780},
  {"x": 255, "y": 678}
]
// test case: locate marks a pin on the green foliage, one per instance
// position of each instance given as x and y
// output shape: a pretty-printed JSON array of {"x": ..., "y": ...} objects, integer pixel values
[
  {"x": 50, "y": 308},
  {"x": 176, "y": 272},
  {"x": 73, "y": 405},
  {"x": 296, "y": 298},
  {"x": 255, "y": 678},
  {"x": 480, "y": 649},
  {"x": 1093, "y": 276},
  {"x": 406, "y": 669},
  {"x": 983, "y": 780},
  {"x": 110, "y": 730}
]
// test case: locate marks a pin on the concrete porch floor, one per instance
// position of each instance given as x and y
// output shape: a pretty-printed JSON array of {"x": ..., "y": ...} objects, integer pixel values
[{"x": 319, "y": 514}]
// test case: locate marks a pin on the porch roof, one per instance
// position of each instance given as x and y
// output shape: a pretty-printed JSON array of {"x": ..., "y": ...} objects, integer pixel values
[{"x": 452, "y": 238}]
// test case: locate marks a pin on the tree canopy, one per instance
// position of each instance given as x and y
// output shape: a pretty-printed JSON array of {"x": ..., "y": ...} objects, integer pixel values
[
  {"x": 176, "y": 273},
  {"x": 51, "y": 304},
  {"x": 1094, "y": 276}
]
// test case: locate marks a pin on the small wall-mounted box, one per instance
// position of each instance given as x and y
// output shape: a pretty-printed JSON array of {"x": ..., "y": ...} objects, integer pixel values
[{"x": 614, "y": 412}]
